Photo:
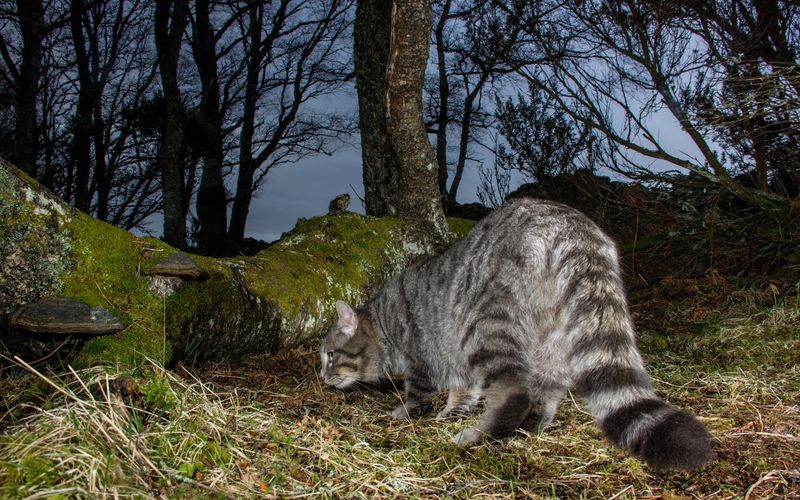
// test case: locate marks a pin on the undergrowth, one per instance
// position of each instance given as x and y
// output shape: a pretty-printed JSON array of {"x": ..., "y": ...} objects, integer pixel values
[{"x": 271, "y": 430}]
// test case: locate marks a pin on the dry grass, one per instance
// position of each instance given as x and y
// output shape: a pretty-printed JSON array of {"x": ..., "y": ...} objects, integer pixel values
[{"x": 270, "y": 429}]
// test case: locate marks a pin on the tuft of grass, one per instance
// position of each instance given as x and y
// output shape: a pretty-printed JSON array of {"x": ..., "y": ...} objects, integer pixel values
[
  {"x": 88, "y": 446},
  {"x": 269, "y": 429}
]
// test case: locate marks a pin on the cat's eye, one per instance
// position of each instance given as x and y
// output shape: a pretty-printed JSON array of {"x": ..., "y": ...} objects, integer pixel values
[{"x": 330, "y": 358}]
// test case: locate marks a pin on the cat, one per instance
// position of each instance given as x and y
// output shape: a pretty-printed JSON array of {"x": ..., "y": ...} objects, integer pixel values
[{"x": 529, "y": 304}]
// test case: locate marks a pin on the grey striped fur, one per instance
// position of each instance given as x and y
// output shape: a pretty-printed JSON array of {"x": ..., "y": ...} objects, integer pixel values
[{"x": 529, "y": 304}]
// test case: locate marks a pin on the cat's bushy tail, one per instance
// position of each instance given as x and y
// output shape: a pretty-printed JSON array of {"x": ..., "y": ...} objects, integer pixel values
[{"x": 608, "y": 373}]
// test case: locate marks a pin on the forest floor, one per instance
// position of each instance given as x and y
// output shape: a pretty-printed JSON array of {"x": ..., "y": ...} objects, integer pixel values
[{"x": 728, "y": 353}]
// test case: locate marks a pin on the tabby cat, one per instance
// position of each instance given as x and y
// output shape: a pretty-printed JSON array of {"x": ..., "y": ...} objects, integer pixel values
[{"x": 529, "y": 304}]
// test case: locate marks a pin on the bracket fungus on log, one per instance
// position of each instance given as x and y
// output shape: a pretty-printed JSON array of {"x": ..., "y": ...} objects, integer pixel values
[
  {"x": 170, "y": 273},
  {"x": 64, "y": 316},
  {"x": 177, "y": 265}
]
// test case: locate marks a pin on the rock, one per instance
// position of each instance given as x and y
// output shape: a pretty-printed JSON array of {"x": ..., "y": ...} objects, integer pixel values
[
  {"x": 339, "y": 204},
  {"x": 63, "y": 316},
  {"x": 178, "y": 265}
]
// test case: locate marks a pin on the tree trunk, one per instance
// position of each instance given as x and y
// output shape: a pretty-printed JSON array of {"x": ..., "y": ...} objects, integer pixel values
[
  {"x": 244, "y": 182},
  {"x": 418, "y": 197},
  {"x": 400, "y": 169},
  {"x": 31, "y": 23},
  {"x": 444, "y": 95},
  {"x": 241, "y": 203},
  {"x": 466, "y": 128},
  {"x": 101, "y": 184},
  {"x": 248, "y": 306},
  {"x": 463, "y": 144},
  {"x": 211, "y": 206},
  {"x": 372, "y": 28},
  {"x": 171, "y": 18},
  {"x": 82, "y": 122}
]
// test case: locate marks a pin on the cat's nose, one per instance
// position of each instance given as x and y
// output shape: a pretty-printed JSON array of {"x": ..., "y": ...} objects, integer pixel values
[{"x": 322, "y": 376}]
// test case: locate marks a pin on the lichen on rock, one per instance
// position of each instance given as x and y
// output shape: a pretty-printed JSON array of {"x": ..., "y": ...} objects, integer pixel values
[{"x": 34, "y": 250}]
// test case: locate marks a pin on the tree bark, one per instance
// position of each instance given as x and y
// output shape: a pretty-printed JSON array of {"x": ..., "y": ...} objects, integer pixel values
[
  {"x": 418, "y": 197},
  {"x": 31, "y": 23},
  {"x": 248, "y": 306},
  {"x": 400, "y": 168},
  {"x": 247, "y": 164},
  {"x": 444, "y": 96},
  {"x": 171, "y": 18},
  {"x": 82, "y": 122},
  {"x": 380, "y": 172},
  {"x": 211, "y": 206}
]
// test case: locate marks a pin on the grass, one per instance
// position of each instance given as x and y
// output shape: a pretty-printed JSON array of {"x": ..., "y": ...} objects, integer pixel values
[{"x": 269, "y": 429}]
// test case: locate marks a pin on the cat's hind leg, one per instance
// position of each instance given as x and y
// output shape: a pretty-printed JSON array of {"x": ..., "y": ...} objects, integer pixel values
[
  {"x": 508, "y": 401},
  {"x": 460, "y": 404},
  {"x": 543, "y": 407}
]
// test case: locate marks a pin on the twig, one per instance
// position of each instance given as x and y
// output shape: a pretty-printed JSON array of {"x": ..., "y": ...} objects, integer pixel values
[
  {"x": 768, "y": 434},
  {"x": 616, "y": 495},
  {"x": 762, "y": 479}
]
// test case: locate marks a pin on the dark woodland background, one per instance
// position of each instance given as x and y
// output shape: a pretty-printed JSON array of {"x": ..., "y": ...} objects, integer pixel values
[
  {"x": 131, "y": 108},
  {"x": 673, "y": 124}
]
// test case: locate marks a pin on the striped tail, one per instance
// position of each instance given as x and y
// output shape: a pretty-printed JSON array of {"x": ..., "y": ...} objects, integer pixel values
[{"x": 608, "y": 373}]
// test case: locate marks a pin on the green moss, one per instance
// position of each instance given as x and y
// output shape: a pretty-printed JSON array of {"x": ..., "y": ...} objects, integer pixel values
[
  {"x": 215, "y": 455},
  {"x": 460, "y": 227},
  {"x": 159, "y": 396},
  {"x": 321, "y": 259},
  {"x": 106, "y": 274},
  {"x": 33, "y": 472},
  {"x": 284, "y": 296},
  {"x": 60, "y": 251}
]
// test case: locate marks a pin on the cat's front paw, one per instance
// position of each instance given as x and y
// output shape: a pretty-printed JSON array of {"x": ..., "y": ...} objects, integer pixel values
[
  {"x": 400, "y": 413},
  {"x": 468, "y": 437},
  {"x": 411, "y": 411}
]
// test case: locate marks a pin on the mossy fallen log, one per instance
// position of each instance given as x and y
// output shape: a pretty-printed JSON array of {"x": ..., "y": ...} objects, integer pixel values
[{"x": 247, "y": 306}]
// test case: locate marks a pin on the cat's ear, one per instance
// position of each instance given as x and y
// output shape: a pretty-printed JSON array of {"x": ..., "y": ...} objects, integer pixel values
[{"x": 348, "y": 321}]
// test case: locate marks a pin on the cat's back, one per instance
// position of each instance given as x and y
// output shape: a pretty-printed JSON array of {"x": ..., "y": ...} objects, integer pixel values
[{"x": 530, "y": 232}]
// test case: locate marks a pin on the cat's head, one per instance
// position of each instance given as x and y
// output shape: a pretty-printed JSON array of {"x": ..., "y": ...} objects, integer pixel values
[{"x": 350, "y": 352}]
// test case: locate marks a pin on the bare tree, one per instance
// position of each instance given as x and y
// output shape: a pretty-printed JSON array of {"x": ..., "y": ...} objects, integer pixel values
[
  {"x": 747, "y": 96},
  {"x": 477, "y": 46},
  {"x": 293, "y": 53},
  {"x": 613, "y": 66},
  {"x": 82, "y": 123},
  {"x": 26, "y": 81},
  {"x": 111, "y": 142},
  {"x": 26, "y": 30},
  {"x": 54, "y": 105},
  {"x": 539, "y": 143},
  {"x": 112, "y": 72}
]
